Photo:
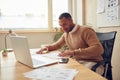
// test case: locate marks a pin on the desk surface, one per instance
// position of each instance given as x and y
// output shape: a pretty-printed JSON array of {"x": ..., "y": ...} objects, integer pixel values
[{"x": 13, "y": 70}]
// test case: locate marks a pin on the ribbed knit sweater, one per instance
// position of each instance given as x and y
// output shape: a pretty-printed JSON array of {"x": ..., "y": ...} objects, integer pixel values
[{"x": 84, "y": 38}]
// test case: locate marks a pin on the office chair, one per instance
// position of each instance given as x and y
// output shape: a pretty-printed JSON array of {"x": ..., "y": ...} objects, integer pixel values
[{"x": 107, "y": 40}]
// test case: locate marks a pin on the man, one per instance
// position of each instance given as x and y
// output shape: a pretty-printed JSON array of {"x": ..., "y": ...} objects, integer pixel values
[{"x": 83, "y": 43}]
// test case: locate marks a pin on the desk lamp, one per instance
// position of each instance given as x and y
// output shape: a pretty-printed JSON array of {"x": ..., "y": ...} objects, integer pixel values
[{"x": 10, "y": 33}]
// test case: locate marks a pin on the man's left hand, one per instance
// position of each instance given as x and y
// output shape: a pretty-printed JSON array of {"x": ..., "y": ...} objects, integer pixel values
[{"x": 66, "y": 53}]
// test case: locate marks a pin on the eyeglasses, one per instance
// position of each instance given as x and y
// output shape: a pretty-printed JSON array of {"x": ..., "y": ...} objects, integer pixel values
[{"x": 64, "y": 23}]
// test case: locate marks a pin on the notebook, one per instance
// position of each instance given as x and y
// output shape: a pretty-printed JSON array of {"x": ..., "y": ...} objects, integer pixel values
[{"x": 23, "y": 53}]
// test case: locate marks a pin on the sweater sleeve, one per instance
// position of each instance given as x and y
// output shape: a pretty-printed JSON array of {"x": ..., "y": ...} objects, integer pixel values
[
  {"x": 58, "y": 44},
  {"x": 94, "y": 49}
]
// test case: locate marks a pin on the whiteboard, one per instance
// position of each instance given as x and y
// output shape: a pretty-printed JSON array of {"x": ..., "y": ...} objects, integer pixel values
[{"x": 110, "y": 16}]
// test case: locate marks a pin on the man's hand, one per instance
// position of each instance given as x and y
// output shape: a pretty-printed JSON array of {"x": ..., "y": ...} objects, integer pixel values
[
  {"x": 42, "y": 50},
  {"x": 66, "y": 53}
]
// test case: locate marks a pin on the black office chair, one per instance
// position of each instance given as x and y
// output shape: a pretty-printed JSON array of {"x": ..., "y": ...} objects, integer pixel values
[{"x": 107, "y": 40}]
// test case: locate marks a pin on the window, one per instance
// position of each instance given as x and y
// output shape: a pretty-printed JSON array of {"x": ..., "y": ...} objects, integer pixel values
[
  {"x": 31, "y": 14},
  {"x": 59, "y": 6}
]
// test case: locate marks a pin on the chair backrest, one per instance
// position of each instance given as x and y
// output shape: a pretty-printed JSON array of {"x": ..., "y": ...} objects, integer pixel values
[{"x": 107, "y": 40}]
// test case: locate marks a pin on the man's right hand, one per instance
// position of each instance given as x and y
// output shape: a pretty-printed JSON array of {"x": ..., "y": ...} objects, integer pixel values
[{"x": 42, "y": 50}]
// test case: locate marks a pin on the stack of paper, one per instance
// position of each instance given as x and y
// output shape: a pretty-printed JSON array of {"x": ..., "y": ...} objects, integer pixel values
[
  {"x": 50, "y": 73},
  {"x": 53, "y": 55}
]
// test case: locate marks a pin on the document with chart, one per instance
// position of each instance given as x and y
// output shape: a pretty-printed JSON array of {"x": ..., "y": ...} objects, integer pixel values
[{"x": 52, "y": 73}]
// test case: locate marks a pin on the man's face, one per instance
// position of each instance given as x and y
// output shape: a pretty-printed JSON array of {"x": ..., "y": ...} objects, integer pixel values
[{"x": 65, "y": 24}]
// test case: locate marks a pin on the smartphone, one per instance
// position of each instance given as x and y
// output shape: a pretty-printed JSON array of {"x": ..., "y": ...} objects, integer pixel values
[{"x": 64, "y": 60}]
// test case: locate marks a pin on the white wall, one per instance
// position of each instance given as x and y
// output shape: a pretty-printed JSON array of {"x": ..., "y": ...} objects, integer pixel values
[
  {"x": 90, "y": 13},
  {"x": 34, "y": 39},
  {"x": 116, "y": 58}
]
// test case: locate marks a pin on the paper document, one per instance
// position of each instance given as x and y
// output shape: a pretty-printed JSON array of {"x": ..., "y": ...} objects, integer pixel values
[
  {"x": 50, "y": 73},
  {"x": 100, "y": 6},
  {"x": 52, "y": 54}
]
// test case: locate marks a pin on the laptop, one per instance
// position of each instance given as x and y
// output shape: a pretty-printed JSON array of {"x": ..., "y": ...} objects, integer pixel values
[{"x": 24, "y": 55}]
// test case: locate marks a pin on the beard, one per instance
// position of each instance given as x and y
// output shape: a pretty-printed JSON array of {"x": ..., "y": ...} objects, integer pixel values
[{"x": 71, "y": 28}]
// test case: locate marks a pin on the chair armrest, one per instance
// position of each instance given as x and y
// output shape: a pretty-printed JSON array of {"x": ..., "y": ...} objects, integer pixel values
[{"x": 97, "y": 65}]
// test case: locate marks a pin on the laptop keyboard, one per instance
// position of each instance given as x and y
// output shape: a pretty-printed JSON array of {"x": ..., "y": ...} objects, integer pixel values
[{"x": 37, "y": 62}]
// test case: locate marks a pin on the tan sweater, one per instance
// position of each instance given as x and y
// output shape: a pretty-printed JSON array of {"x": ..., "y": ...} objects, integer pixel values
[{"x": 84, "y": 38}]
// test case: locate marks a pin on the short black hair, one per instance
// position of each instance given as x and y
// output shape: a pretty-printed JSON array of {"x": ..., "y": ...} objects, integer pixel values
[{"x": 66, "y": 15}]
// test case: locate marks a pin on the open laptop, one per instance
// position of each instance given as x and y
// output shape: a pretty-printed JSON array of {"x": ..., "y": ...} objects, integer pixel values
[{"x": 23, "y": 54}]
